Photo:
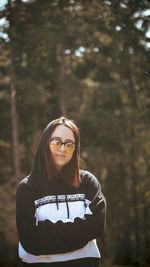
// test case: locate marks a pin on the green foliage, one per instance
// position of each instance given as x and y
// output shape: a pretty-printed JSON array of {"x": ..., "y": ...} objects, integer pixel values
[{"x": 90, "y": 61}]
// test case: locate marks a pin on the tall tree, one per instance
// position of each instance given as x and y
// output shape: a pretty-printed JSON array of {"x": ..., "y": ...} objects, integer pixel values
[{"x": 14, "y": 116}]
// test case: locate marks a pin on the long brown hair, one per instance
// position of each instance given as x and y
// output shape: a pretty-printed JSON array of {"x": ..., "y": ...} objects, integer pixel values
[{"x": 70, "y": 172}]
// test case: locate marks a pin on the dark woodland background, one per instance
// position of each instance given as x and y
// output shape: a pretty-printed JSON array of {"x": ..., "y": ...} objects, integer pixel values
[{"x": 88, "y": 60}]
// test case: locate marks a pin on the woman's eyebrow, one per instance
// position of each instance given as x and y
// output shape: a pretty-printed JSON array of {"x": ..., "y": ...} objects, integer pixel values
[
  {"x": 69, "y": 140},
  {"x": 59, "y": 138}
]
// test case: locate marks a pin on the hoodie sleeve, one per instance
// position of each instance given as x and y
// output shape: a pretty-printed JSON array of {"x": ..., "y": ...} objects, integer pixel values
[
  {"x": 38, "y": 240},
  {"x": 92, "y": 226}
]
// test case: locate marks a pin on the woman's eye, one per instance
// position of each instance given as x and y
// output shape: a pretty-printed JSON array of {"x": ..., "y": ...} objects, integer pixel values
[
  {"x": 56, "y": 142},
  {"x": 69, "y": 144}
]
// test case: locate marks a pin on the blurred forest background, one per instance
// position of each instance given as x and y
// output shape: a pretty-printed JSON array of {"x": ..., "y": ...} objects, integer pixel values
[{"x": 88, "y": 60}]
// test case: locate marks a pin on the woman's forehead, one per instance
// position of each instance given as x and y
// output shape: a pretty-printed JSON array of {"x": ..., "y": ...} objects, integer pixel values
[{"x": 63, "y": 132}]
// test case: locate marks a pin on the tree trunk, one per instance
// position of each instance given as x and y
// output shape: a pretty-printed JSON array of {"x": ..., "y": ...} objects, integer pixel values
[
  {"x": 62, "y": 84},
  {"x": 133, "y": 152},
  {"x": 14, "y": 116}
]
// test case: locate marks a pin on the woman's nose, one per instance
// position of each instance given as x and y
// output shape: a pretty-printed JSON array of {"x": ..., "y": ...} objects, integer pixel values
[{"x": 62, "y": 148}]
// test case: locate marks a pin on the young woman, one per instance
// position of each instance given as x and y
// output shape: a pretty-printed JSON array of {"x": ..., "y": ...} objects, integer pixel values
[{"x": 60, "y": 210}]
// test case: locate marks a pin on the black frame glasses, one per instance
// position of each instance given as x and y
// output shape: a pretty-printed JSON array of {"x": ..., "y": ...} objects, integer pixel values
[{"x": 56, "y": 144}]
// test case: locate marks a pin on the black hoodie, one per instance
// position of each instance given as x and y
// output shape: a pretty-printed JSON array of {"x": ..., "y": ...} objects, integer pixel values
[{"x": 57, "y": 221}]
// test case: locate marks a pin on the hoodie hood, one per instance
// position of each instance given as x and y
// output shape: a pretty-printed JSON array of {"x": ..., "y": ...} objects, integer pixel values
[
  {"x": 39, "y": 172},
  {"x": 38, "y": 175},
  {"x": 39, "y": 166}
]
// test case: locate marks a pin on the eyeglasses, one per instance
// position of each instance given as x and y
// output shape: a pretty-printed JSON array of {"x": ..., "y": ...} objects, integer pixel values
[{"x": 55, "y": 144}]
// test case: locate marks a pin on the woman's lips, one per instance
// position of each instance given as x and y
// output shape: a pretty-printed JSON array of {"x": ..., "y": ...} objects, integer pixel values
[{"x": 60, "y": 155}]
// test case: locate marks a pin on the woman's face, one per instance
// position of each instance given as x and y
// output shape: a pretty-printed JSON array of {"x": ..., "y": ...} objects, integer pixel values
[{"x": 62, "y": 145}]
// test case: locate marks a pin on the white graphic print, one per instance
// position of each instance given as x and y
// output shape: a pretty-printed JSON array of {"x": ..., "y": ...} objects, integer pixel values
[{"x": 62, "y": 207}]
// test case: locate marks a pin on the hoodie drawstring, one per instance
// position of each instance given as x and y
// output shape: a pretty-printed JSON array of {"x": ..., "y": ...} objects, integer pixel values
[
  {"x": 57, "y": 202},
  {"x": 85, "y": 204},
  {"x": 67, "y": 205}
]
